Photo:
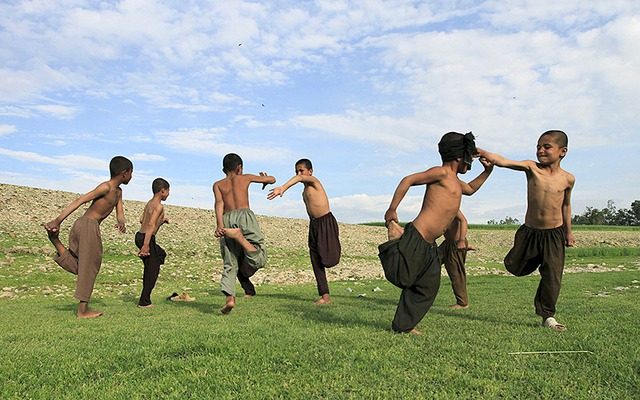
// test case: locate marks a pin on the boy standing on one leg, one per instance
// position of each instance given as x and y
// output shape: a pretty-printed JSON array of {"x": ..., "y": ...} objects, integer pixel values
[
  {"x": 410, "y": 258},
  {"x": 546, "y": 231},
  {"x": 84, "y": 256},
  {"x": 324, "y": 243},
  {"x": 151, "y": 253},
  {"x": 241, "y": 240}
]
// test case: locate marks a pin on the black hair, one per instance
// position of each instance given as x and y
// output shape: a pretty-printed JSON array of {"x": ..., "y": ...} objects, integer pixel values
[
  {"x": 119, "y": 164},
  {"x": 559, "y": 136},
  {"x": 159, "y": 184},
  {"x": 230, "y": 162},
  {"x": 306, "y": 162}
]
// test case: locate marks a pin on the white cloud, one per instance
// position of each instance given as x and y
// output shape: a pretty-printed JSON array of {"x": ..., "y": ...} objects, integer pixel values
[
  {"x": 6, "y": 130},
  {"x": 61, "y": 161},
  {"x": 147, "y": 157}
]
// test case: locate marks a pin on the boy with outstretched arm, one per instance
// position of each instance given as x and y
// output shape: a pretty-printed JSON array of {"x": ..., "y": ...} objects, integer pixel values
[
  {"x": 241, "y": 241},
  {"x": 453, "y": 254},
  {"x": 410, "y": 258},
  {"x": 84, "y": 256},
  {"x": 324, "y": 243},
  {"x": 151, "y": 253},
  {"x": 546, "y": 231}
]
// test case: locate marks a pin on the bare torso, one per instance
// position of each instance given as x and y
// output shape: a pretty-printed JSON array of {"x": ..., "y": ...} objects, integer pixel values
[
  {"x": 315, "y": 199},
  {"x": 102, "y": 206},
  {"x": 546, "y": 190},
  {"x": 234, "y": 190},
  {"x": 439, "y": 206},
  {"x": 148, "y": 215}
]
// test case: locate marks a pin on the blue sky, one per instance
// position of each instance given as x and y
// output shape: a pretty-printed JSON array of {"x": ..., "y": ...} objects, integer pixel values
[{"x": 364, "y": 89}]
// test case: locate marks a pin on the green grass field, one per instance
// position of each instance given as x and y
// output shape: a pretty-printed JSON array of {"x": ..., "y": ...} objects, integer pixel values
[{"x": 280, "y": 345}]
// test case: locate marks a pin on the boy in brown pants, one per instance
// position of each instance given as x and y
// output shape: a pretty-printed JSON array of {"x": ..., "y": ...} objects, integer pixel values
[
  {"x": 546, "y": 231},
  {"x": 151, "y": 253},
  {"x": 84, "y": 256},
  {"x": 324, "y": 243},
  {"x": 410, "y": 258},
  {"x": 241, "y": 240},
  {"x": 453, "y": 254}
]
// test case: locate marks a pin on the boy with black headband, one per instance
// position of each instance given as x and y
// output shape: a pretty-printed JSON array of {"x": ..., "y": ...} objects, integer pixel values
[
  {"x": 546, "y": 231},
  {"x": 410, "y": 258}
]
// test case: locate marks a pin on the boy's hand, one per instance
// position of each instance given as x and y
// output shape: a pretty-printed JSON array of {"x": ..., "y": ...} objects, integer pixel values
[
  {"x": 569, "y": 240},
  {"x": 121, "y": 227},
  {"x": 264, "y": 185},
  {"x": 275, "y": 192},
  {"x": 219, "y": 232},
  {"x": 166, "y": 221},
  {"x": 144, "y": 251},
  {"x": 53, "y": 226},
  {"x": 488, "y": 165},
  {"x": 389, "y": 216}
]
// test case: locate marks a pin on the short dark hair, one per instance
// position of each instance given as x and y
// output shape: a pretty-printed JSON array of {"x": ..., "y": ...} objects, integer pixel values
[
  {"x": 306, "y": 162},
  {"x": 559, "y": 136},
  {"x": 159, "y": 184},
  {"x": 230, "y": 162},
  {"x": 119, "y": 164}
]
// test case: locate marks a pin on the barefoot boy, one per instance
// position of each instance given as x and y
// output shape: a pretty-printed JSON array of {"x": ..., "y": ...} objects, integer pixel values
[
  {"x": 410, "y": 257},
  {"x": 324, "y": 244},
  {"x": 241, "y": 240},
  {"x": 547, "y": 226},
  {"x": 84, "y": 256},
  {"x": 453, "y": 254},
  {"x": 151, "y": 253}
]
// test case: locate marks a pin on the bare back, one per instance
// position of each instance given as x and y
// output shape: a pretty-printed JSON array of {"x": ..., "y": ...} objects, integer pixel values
[
  {"x": 440, "y": 204},
  {"x": 234, "y": 192},
  {"x": 152, "y": 216},
  {"x": 315, "y": 199},
  {"x": 547, "y": 191},
  {"x": 109, "y": 195}
]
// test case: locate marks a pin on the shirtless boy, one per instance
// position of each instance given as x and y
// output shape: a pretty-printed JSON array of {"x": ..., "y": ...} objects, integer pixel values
[
  {"x": 241, "y": 241},
  {"x": 410, "y": 258},
  {"x": 546, "y": 231},
  {"x": 453, "y": 254},
  {"x": 151, "y": 253},
  {"x": 324, "y": 243},
  {"x": 84, "y": 256}
]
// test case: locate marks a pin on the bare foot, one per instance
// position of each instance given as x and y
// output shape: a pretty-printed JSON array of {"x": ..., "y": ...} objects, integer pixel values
[
  {"x": 231, "y": 302},
  {"x": 236, "y": 234},
  {"x": 394, "y": 230},
  {"x": 414, "y": 331},
  {"x": 233, "y": 233},
  {"x": 247, "y": 296},
  {"x": 55, "y": 240},
  {"x": 147, "y": 306},
  {"x": 458, "y": 307},
  {"x": 89, "y": 314},
  {"x": 325, "y": 299}
]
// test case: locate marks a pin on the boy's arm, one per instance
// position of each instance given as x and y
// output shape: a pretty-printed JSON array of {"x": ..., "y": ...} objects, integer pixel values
[
  {"x": 462, "y": 231},
  {"x": 420, "y": 178},
  {"x": 263, "y": 178},
  {"x": 279, "y": 191},
  {"x": 219, "y": 210},
  {"x": 120, "y": 213},
  {"x": 473, "y": 186},
  {"x": 566, "y": 213},
  {"x": 149, "y": 229},
  {"x": 100, "y": 190},
  {"x": 501, "y": 161}
]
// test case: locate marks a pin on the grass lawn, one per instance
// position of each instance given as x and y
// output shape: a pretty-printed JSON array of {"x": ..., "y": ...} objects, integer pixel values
[{"x": 280, "y": 345}]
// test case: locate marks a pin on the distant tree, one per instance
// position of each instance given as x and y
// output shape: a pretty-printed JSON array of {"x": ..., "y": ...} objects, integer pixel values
[
  {"x": 610, "y": 215},
  {"x": 507, "y": 221}
]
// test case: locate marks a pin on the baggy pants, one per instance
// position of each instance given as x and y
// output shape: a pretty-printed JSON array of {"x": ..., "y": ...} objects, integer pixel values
[
  {"x": 541, "y": 249},
  {"x": 412, "y": 264},
  {"x": 84, "y": 256},
  {"x": 454, "y": 259},
  {"x": 324, "y": 248},
  {"x": 237, "y": 262},
  {"x": 152, "y": 264}
]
